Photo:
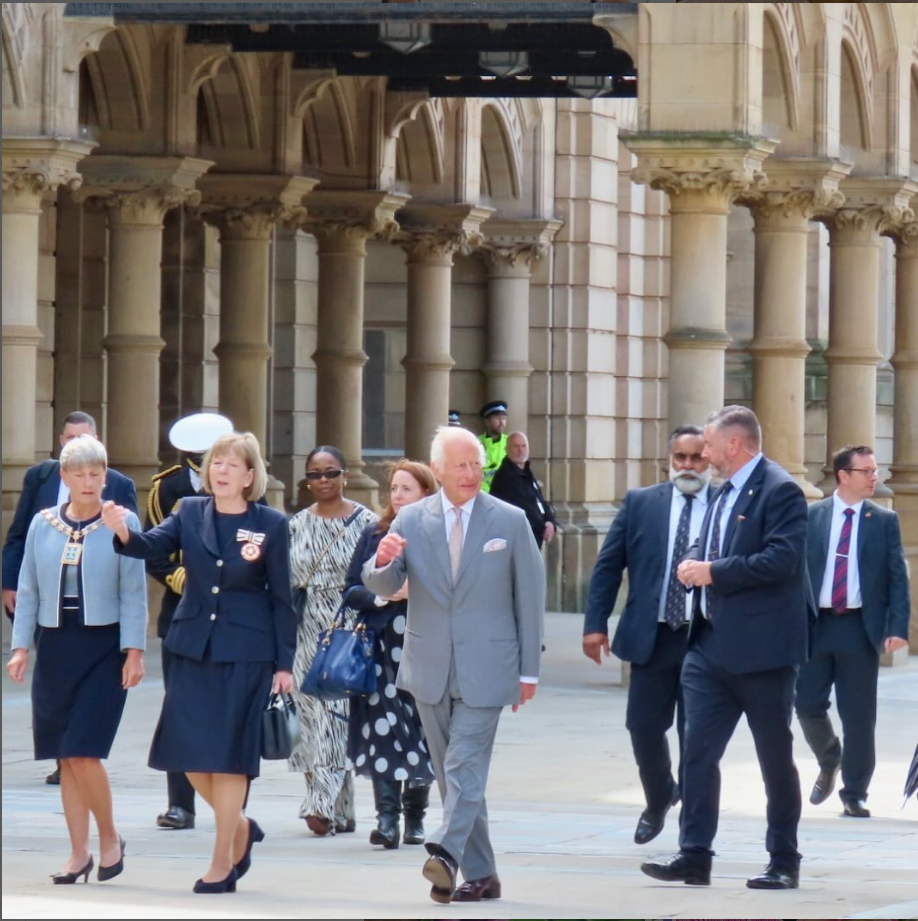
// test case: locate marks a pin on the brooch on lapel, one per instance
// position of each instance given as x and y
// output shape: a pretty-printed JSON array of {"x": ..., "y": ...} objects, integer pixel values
[
  {"x": 740, "y": 518},
  {"x": 251, "y": 549},
  {"x": 867, "y": 514},
  {"x": 751, "y": 492}
]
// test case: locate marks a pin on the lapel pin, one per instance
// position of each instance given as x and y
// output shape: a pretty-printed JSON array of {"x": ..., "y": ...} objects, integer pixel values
[
  {"x": 740, "y": 517},
  {"x": 867, "y": 514},
  {"x": 751, "y": 492}
]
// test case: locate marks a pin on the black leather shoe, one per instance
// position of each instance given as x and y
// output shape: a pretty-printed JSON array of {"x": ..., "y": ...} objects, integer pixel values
[
  {"x": 114, "y": 869},
  {"x": 650, "y": 824},
  {"x": 218, "y": 888},
  {"x": 176, "y": 817},
  {"x": 386, "y": 832},
  {"x": 54, "y": 778},
  {"x": 440, "y": 870},
  {"x": 474, "y": 890},
  {"x": 680, "y": 869},
  {"x": 857, "y": 809},
  {"x": 825, "y": 784},
  {"x": 414, "y": 831},
  {"x": 773, "y": 877}
]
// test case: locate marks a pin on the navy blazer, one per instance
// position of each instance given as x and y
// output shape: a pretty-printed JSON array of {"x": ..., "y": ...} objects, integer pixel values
[
  {"x": 241, "y": 609},
  {"x": 359, "y": 598},
  {"x": 881, "y": 567},
  {"x": 38, "y": 494},
  {"x": 638, "y": 541},
  {"x": 760, "y": 601}
]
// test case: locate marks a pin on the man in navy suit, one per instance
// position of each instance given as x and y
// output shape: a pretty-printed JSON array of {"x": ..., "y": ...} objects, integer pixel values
[
  {"x": 42, "y": 488},
  {"x": 649, "y": 537},
  {"x": 858, "y": 574},
  {"x": 748, "y": 634}
]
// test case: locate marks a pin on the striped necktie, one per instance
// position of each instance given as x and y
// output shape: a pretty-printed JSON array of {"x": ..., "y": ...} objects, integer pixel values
[{"x": 840, "y": 576}]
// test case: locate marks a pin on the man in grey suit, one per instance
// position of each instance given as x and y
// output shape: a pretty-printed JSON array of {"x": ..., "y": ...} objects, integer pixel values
[
  {"x": 857, "y": 571},
  {"x": 472, "y": 644}
]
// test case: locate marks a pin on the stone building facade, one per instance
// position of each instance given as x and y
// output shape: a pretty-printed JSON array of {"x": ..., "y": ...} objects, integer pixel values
[{"x": 327, "y": 259}]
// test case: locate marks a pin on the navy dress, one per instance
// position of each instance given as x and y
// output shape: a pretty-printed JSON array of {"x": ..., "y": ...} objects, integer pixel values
[
  {"x": 233, "y": 628},
  {"x": 77, "y": 697},
  {"x": 385, "y": 738}
]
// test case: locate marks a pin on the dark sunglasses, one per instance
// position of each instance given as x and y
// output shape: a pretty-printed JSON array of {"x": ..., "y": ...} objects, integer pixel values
[{"x": 319, "y": 474}]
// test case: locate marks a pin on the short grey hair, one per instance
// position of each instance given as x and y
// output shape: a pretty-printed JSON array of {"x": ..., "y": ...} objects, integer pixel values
[
  {"x": 83, "y": 451},
  {"x": 447, "y": 434},
  {"x": 740, "y": 417}
]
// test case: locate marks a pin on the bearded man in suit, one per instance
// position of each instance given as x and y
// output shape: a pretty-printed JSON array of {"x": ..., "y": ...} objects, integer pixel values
[{"x": 472, "y": 644}]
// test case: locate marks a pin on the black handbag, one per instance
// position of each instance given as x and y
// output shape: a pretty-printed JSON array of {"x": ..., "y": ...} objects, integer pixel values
[
  {"x": 280, "y": 728},
  {"x": 343, "y": 665}
]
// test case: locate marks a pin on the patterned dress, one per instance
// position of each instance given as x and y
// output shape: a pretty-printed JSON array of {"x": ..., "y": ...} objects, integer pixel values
[{"x": 320, "y": 551}]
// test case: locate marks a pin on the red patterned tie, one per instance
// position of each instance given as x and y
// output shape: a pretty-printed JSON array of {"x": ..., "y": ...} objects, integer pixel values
[{"x": 840, "y": 579}]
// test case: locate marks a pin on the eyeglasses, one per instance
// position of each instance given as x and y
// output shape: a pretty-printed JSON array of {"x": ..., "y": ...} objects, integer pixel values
[
  {"x": 870, "y": 472},
  {"x": 323, "y": 474}
]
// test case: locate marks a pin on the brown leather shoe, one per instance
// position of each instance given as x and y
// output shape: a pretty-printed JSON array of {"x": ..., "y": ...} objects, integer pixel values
[
  {"x": 474, "y": 890},
  {"x": 440, "y": 870}
]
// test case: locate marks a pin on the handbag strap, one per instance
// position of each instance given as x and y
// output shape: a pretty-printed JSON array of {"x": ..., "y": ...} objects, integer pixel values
[{"x": 329, "y": 545}]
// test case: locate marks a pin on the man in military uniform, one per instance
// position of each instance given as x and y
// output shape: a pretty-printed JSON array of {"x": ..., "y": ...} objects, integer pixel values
[
  {"x": 192, "y": 436},
  {"x": 494, "y": 439}
]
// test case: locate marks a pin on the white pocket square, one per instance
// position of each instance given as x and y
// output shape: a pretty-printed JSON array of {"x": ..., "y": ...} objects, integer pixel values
[{"x": 496, "y": 543}]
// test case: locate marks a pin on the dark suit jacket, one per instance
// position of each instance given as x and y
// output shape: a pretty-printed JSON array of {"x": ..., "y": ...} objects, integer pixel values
[
  {"x": 241, "y": 609},
  {"x": 357, "y": 595},
  {"x": 760, "y": 602},
  {"x": 880, "y": 566},
  {"x": 519, "y": 487},
  {"x": 638, "y": 540},
  {"x": 37, "y": 495}
]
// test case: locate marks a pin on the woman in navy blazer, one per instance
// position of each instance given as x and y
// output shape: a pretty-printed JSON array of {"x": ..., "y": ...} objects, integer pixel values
[{"x": 233, "y": 629}]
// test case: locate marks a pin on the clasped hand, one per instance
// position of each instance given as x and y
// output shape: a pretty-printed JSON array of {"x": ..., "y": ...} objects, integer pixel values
[{"x": 692, "y": 573}]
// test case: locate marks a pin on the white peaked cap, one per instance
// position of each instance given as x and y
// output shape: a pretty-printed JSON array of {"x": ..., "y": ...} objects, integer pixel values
[{"x": 196, "y": 433}]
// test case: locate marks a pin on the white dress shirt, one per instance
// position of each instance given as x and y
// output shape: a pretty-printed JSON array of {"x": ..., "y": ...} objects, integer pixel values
[{"x": 854, "y": 580}]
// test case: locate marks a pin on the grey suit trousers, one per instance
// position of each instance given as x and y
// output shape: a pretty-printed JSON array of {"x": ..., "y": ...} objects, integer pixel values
[{"x": 460, "y": 740}]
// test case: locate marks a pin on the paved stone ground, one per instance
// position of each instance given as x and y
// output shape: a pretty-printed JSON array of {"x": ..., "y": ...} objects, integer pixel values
[{"x": 563, "y": 796}]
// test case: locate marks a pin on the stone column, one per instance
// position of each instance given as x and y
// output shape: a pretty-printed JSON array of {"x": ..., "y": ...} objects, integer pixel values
[
  {"x": 904, "y": 479},
  {"x": 245, "y": 209},
  {"x": 871, "y": 207},
  {"x": 701, "y": 177},
  {"x": 509, "y": 251},
  {"x": 136, "y": 192},
  {"x": 341, "y": 221},
  {"x": 431, "y": 236},
  {"x": 32, "y": 169},
  {"x": 795, "y": 190}
]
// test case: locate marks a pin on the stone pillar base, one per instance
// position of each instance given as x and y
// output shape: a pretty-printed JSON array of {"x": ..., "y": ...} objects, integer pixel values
[{"x": 274, "y": 494}]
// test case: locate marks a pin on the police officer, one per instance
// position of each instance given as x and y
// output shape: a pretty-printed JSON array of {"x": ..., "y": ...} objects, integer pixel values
[
  {"x": 454, "y": 417},
  {"x": 494, "y": 439},
  {"x": 192, "y": 436}
]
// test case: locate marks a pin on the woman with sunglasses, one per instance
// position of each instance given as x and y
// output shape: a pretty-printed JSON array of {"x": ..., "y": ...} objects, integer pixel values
[{"x": 322, "y": 541}]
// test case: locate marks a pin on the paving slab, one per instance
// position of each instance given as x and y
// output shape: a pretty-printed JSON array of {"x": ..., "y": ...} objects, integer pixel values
[{"x": 564, "y": 799}]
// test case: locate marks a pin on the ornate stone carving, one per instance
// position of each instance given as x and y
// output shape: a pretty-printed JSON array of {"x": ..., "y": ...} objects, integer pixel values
[
  {"x": 906, "y": 236},
  {"x": 141, "y": 206},
  {"x": 722, "y": 182},
  {"x": 513, "y": 256},
  {"x": 438, "y": 245},
  {"x": 35, "y": 181},
  {"x": 342, "y": 221},
  {"x": 864, "y": 224},
  {"x": 34, "y": 167}
]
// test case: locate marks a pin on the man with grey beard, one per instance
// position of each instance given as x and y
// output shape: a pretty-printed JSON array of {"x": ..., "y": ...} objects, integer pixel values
[{"x": 651, "y": 533}]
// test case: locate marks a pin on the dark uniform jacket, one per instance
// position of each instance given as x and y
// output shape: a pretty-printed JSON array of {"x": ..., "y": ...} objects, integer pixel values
[
  {"x": 241, "y": 609},
  {"x": 39, "y": 491},
  {"x": 520, "y": 488},
  {"x": 167, "y": 491}
]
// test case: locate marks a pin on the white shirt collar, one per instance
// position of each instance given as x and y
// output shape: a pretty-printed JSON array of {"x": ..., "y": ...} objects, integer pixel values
[
  {"x": 839, "y": 504},
  {"x": 466, "y": 507}
]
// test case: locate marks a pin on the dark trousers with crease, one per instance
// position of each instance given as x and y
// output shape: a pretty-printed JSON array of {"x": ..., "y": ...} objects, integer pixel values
[
  {"x": 654, "y": 699},
  {"x": 845, "y": 657},
  {"x": 181, "y": 793},
  {"x": 715, "y": 700}
]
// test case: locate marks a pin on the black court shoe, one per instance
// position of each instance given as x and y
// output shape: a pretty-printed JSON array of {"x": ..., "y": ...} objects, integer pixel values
[{"x": 67, "y": 879}]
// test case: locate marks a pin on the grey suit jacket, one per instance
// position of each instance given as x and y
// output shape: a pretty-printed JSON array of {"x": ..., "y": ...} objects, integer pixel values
[
  {"x": 490, "y": 621},
  {"x": 880, "y": 563}
]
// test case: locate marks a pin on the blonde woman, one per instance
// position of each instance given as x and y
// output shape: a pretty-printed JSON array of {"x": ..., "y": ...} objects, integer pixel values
[
  {"x": 91, "y": 606},
  {"x": 232, "y": 636}
]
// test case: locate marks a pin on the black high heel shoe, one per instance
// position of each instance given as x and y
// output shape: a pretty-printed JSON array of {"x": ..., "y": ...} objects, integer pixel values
[
  {"x": 223, "y": 885},
  {"x": 67, "y": 879},
  {"x": 255, "y": 835},
  {"x": 115, "y": 869}
]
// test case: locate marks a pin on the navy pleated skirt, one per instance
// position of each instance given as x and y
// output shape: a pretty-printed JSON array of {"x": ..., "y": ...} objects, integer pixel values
[
  {"x": 211, "y": 721},
  {"x": 77, "y": 698}
]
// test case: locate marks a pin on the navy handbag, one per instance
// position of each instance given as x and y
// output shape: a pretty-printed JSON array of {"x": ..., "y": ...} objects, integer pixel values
[{"x": 343, "y": 665}]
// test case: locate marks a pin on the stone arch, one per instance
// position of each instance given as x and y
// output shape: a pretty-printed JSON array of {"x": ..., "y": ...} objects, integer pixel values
[
  {"x": 16, "y": 19},
  {"x": 781, "y": 65},
  {"x": 118, "y": 84},
  {"x": 420, "y": 141},
  {"x": 227, "y": 102},
  {"x": 854, "y": 100},
  {"x": 328, "y": 125},
  {"x": 501, "y": 154}
]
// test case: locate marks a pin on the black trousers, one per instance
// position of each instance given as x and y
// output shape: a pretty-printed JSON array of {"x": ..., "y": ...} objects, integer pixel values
[
  {"x": 654, "y": 697},
  {"x": 181, "y": 793},
  {"x": 714, "y": 702},
  {"x": 843, "y": 656}
]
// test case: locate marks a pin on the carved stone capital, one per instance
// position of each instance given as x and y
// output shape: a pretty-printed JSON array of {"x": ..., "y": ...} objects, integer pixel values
[
  {"x": 906, "y": 237},
  {"x": 35, "y": 167},
  {"x": 511, "y": 247},
  {"x": 253, "y": 222},
  {"x": 872, "y": 207},
  {"x": 703, "y": 173},
  {"x": 435, "y": 233},
  {"x": 247, "y": 206},
  {"x": 341, "y": 221},
  {"x": 142, "y": 206},
  {"x": 796, "y": 189}
]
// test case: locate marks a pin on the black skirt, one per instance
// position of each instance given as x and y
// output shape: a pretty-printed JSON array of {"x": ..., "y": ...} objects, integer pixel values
[
  {"x": 211, "y": 721},
  {"x": 77, "y": 697}
]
